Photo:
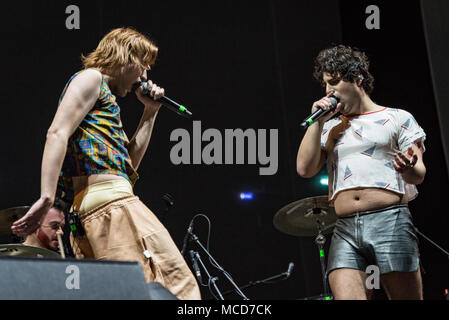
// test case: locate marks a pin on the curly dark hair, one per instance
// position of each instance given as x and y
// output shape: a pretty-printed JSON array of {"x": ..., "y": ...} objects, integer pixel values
[{"x": 344, "y": 62}]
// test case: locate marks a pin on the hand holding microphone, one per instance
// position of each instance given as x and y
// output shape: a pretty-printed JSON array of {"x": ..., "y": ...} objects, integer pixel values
[
  {"x": 149, "y": 93},
  {"x": 323, "y": 110}
]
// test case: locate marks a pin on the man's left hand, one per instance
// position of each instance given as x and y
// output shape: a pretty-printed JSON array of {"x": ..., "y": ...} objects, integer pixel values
[{"x": 405, "y": 160}]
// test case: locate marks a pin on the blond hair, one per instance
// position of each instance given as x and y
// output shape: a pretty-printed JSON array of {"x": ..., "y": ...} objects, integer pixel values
[{"x": 121, "y": 47}]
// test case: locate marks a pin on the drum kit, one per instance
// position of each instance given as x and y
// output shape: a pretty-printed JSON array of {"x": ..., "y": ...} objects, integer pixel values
[
  {"x": 309, "y": 217},
  {"x": 16, "y": 249}
]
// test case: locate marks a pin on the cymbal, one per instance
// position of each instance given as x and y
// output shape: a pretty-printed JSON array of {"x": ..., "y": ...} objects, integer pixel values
[
  {"x": 20, "y": 250},
  {"x": 8, "y": 216},
  {"x": 304, "y": 217}
]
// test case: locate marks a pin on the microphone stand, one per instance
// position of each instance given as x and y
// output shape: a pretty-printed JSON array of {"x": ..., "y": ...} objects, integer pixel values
[
  {"x": 237, "y": 289},
  {"x": 433, "y": 243},
  {"x": 281, "y": 276},
  {"x": 211, "y": 280}
]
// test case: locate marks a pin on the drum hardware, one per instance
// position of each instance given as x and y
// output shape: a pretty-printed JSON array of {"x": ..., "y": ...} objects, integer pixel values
[
  {"x": 302, "y": 217},
  {"x": 320, "y": 240},
  {"x": 8, "y": 217},
  {"x": 20, "y": 250},
  {"x": 307, "y": 218},
  {"x": 319, "y": 297}
]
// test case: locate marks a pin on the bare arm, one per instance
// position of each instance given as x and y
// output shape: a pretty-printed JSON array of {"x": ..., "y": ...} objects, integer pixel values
[
  {"x": 311, "y": 157},
  {"x": 77, "y": 102},
  {"x": 139, "y": 142},
  {"x": 141, "y": 139},
  {"x": 410, "y": 164}
]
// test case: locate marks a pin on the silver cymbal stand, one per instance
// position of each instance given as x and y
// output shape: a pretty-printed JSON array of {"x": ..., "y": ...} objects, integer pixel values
[{"x": 320, "y": 240}]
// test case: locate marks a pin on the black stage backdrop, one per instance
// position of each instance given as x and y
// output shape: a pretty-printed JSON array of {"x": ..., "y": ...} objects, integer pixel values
[
  {"x": 235, "y": 64},
  {"x": 436, "y": 27}
]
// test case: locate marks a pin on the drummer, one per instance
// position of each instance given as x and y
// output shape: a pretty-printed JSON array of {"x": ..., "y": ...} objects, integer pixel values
[{"x": 46, "y": 236}]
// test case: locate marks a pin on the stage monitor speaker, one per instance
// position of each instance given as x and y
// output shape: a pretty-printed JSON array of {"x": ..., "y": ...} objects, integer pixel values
[
  {"x": 70, "y": 279},
  {"x": 158, "y": 292}
]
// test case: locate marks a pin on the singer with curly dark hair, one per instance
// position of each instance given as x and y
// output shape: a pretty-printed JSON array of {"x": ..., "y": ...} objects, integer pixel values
[
  {"x": 346, "y": 63},
  {"x": 374, "y": 157}
]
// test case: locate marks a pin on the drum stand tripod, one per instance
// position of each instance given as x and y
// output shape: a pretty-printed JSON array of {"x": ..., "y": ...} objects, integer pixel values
[
  {"x": 320, "y": 240},
  {"x": 304, "y": 218}
]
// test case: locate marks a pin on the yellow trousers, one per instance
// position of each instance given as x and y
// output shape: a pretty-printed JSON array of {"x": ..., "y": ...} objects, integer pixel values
[{"x": 120, "y": 227}]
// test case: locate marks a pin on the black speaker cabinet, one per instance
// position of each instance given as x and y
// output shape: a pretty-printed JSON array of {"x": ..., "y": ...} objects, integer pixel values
[{"x": 70, "y": 279}]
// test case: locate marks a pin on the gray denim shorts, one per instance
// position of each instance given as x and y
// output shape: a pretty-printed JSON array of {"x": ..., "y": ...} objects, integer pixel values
[{"x": 385, "y": 238}]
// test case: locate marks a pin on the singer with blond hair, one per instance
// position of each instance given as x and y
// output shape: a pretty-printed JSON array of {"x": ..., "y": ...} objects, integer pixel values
[{"x": 89, "y": 162}]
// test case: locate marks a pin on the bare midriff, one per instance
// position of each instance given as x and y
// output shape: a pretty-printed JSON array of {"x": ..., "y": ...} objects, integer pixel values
[
  {"x": 80, "y": 183},
  {"x": 365, "y": 199}
]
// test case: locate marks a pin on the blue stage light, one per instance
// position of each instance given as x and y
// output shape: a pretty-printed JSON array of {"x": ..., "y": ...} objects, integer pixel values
[{"x": 246, "y": 196}]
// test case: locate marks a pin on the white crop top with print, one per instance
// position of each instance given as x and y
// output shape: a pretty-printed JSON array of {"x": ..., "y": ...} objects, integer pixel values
[{"x": 362, "y": 155}]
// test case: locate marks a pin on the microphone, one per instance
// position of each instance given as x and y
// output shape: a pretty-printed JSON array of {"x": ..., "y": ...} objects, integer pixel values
[
  {"x": 167, "y": 102},
  {"x": 196, "y": 268},
  {"x": 186, "y": 238},
  {"x": 289, "y": 269},
  {"x": 319, "y": 113}
]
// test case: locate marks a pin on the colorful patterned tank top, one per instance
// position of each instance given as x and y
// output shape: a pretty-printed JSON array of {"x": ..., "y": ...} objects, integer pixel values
[{"x": 97, "y": 146}]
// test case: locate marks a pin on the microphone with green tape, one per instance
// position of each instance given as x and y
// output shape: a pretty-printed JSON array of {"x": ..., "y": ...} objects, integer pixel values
[{"x": 319, "y": 113}]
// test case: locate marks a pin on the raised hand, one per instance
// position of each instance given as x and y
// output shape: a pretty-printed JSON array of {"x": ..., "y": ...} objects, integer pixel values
[{"x": 405, "y": 160}]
